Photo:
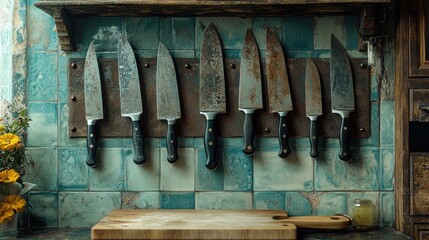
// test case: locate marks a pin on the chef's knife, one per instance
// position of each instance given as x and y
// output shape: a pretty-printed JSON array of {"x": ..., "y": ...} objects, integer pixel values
[
  {"x": 250, "y": 90},
  {"x": 313, "y": 102},
  {"x": 279, "y": 96},
  {"x": 130, "y": 95},
  {"x": 342, "y": 93},
  {"x": 93, "y": 102},
  {"x": 167, "y": 98},
  {"x": 212, "y": 89}
]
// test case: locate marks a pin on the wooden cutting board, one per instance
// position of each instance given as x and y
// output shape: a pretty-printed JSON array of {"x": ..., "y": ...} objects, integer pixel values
[{"x": 194, "y": 224}]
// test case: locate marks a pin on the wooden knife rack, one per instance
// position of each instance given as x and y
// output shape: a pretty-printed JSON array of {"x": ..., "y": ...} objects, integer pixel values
[{"x": 230, "y": 124}]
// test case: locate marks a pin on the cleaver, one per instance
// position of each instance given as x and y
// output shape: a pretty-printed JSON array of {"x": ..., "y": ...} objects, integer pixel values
[
  {"x": 279, "y": 96},
  {"x": 250, "y": 89},
  {"x": 130, "y": 95},
  {"x": 93, "y": 102},
  {"x": 342, "y": 93},
  {"x": 167, "y": 99},
  {"x": 212, "y": 89}
]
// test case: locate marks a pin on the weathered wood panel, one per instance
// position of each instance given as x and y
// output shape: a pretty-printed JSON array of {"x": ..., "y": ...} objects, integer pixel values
[{"x": 420, "y": 184}]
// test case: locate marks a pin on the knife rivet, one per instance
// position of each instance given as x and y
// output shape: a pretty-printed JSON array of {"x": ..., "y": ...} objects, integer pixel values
[
  {"x": 187, "y": 66},
  {"x": 284, "y": 150},
  {"x": 146, "y": 65},
  {"x": 171, "y": 141},
  {"x": 73, "y": 98},
  {"x": 284, "y": 136},
  {"x": 232, "y": 65},
  {"x": 91, "y": 135},
  {"x": 73, "y": 129},
  {"x": 267, "y": 130},
  {"x": 362, "y": 130},
  {"x": 73, "y": 65},
  {"x": 283, "y": 125},
  {"x": 345, "y": 128},
  {"x": 362, "y": 65},
  {"x": 91, "y": 146},
  {"x": 210, "y": 129},
  {"x": 210, "y": 143}
]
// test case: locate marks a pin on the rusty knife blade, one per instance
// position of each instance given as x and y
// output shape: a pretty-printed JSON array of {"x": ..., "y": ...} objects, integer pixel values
[
  {"x": 92, "y": 87},
  {"x": 250, "y": 89},
  {"x": 313, "y": 95}
]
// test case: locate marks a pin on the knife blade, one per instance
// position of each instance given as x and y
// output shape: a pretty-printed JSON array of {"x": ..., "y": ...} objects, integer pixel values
[
  {"x": 212, "y": 89},
  {"x": 279, "y": 96},
  {"x": 167, "y": 99},
  {"x": 250, "y": 89},
  {"x": 130, "y": 95},
  {"x": 342, "y": 93},
  {"x": 93, "y": 102},
  {"x": 313, "y": 102}
]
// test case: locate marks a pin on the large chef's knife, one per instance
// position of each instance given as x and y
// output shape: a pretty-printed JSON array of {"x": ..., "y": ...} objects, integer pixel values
[
  {"x": 167, "y": 98},
  {"x": 93, "y": 102},
  {"x": 250, "y": 90},
  {"x": 313, "y": 102},
  {"x": 130, "y": 95},
  {"x": 280, "y": 100},
  {"x": 342, "y": 93},
  {"x": 212, "y": 89}
]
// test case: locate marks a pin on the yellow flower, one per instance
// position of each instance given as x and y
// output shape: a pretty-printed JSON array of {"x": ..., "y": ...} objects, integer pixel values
[
  {"x": 16, "y": 202},
  {"x": 8, "y": 176},
  {"x": 2, "y": 128},
  {"x": 9, "y": 141},
  {"x": 6, "y": 212}
]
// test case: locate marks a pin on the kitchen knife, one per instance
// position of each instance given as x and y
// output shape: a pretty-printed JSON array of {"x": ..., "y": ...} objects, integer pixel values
[
  {"x": 130, "y": 95},
  {"x": 279, "y": 96},
  {"x": 212, "y": 89},
  {"x": 342, "y": 93},
  {"x": 250, "y": 90},
  {"x": 93, "y": 102},
  {"x": 313, "y": 102},
  {"x": 167, "y": 98}
]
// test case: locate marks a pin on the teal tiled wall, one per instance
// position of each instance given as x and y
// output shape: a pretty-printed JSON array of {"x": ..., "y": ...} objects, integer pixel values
[{"x": 73, "y": 195}]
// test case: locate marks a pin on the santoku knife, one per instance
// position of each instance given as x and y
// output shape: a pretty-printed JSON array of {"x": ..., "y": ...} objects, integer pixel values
[
  {"x": 250, "y": 89},
  {"x": 212, "y": 89},
  {"x": 313, "y": 102},
  {"x": 342, "y": 93},
  {"x": 130, "y": 95},
  {"x": 93, "y": 102},
  {"x": 280, "y": 100},
  {"x": 167, "y": 98}
]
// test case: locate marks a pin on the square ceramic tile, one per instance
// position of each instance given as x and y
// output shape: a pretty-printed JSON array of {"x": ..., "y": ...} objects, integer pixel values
[
  {"x": 64, "y": 139},
  {"x": 42, "y": 81},
  {"x": 177, "y": 200},
  {"x": 269, "y": 200},
  {"x": 238, "y": 170},
  {"x": 43, "y": 127},
  {"x": 387, "y": 209},
  {"x": 86, "y": 209},
  {"x": 73, "y": 171},
  {"x": 274, "y": 173},
  {"x": 299, "y": 32},
  {"x": 103, "y": 31},
  {"x": 387, "y": 161},
  {"x": 140, "y": 200},
  {"x": 45, "y": 171},
  {"x": 180, "y": 175},
  {"x": 177, "y": 32},
  {"x": 298, "y": 203},
  {"x": 145, "y": 177},
  {"x": 330, "y": 203},
  {"x": 387, "y": 123},
  {"x": 142, "y": 32},
  {"x": 223, "y": 200},
  {"x": 41, "y": 34},
  {"x": 324, "y": 26},
  {"x": 109, "y": 173},
  {"x": 208, "y": 180},
  {"x": 44, "y": 209},
  {"x": 361, "y": 172},
  {"x": 352, "y": 28}
]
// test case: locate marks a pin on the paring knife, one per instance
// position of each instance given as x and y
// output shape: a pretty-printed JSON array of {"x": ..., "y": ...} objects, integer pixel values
[
  {"x": 280, "y": 100},
  {"x": 342, "y": 93},
  {"x": 313, "y": 102},
  {"x": 93, "y": 102},
  {"x": 167, "y": 98},
  {"x": 250, "y": 89},
  {"x": 130, "y": 95},
  {"x": 212, "y": 89}
]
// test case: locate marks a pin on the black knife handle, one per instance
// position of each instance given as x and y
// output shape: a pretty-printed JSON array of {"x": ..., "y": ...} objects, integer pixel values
[
  {"x": 248, "y": 136},
  {"x": 345, "y": 139},
  {"x": 172, "y": 155},
  {"x": 139, "y": 157},
  {"x": 313, "y": 138},
  {"x": 283, "y": 137},
  {"x": 91, "y": 143},
  {"x": 210, "y": 145}
]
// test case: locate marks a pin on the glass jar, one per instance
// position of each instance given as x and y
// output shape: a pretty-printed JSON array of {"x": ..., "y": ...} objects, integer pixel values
[{"x": 364, "y": 214}]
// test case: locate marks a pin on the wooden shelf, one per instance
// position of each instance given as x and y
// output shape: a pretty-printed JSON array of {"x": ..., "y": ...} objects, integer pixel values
[{"x": 63, "y": 12}]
